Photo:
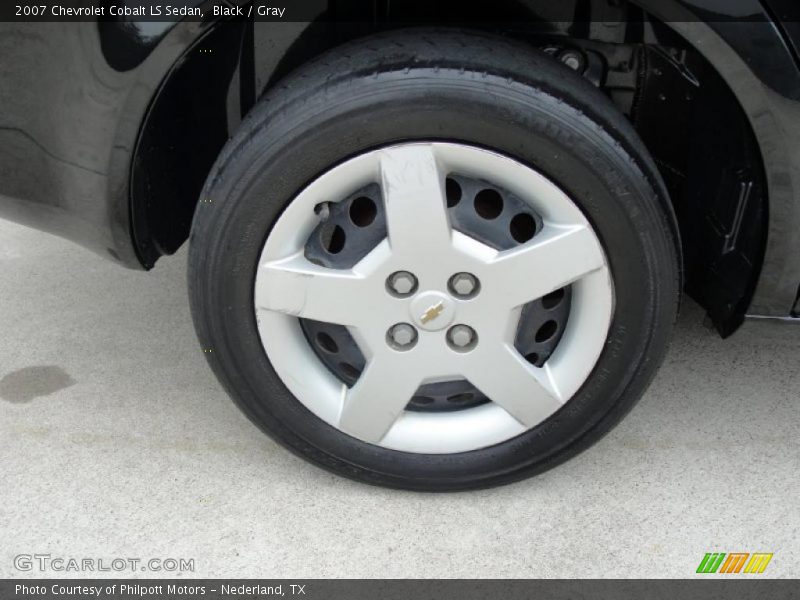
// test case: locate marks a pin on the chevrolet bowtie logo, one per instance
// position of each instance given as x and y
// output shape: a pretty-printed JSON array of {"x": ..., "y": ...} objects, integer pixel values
[{"x": 433, "y": 312}]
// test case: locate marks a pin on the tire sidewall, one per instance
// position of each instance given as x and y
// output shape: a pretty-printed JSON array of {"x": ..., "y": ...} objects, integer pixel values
[{"x": 286, "y": 146}]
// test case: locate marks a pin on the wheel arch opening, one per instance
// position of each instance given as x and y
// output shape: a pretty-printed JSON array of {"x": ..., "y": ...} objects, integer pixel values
[{"x": 688, "y": 117}]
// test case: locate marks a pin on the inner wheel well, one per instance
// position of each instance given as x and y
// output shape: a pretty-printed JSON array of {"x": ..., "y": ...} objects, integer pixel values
[{"x": 686, "y": 115}]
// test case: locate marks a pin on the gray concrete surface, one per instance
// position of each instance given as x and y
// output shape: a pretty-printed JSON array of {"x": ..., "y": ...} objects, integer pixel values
[{"x": 116, "y": 441}]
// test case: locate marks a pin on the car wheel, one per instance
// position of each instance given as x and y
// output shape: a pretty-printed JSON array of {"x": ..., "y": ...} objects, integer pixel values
[{"x": 434, "y": 260}]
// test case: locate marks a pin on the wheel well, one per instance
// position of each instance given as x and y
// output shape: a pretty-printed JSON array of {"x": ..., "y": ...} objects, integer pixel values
[
  {"x": 186, "y": 125},
  {"x": 687, "y": 116}
]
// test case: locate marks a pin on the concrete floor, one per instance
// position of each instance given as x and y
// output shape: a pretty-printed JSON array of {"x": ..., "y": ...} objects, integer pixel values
[{"x": 117, "y": 441}]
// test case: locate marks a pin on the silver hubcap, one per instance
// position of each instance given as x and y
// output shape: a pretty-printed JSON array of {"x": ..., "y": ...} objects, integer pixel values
[{"x": 430, "y": 304}]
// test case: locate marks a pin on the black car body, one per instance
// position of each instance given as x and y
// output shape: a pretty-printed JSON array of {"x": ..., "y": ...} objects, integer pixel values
[{"x": 108, "y": 128}]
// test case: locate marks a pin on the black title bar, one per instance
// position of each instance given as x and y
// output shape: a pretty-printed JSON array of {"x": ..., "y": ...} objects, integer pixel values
[{"x": 459, "y": 11}]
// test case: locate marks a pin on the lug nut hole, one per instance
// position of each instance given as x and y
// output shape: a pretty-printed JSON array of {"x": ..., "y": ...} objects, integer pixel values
[
  {"x": 402, "y": 284},
  {"x": 402, "y": 336},
  {"x": 464, "y": 285},
  {"x": 462, "y": 338}
]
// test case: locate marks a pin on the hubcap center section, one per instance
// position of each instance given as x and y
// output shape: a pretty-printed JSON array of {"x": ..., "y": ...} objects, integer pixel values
[{"x": 432, "y": 311}]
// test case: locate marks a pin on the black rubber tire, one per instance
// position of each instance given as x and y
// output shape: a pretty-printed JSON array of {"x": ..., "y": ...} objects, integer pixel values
[{"x": 452, "y": 86}]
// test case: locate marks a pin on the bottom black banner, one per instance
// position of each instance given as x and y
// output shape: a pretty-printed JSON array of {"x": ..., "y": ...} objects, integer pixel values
[{"x": 400, "y": 589}]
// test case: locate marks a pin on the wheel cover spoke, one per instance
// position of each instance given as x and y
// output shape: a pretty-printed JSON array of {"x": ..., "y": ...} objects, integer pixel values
[
  {"x": 516, "y": 386},
  {"x": 297, "y": 287},
  {"x": 416, "y": 213},
  {"x": 553, "y": 260},
  {"x": 373, "y": 404}
]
